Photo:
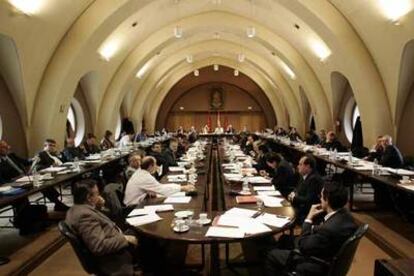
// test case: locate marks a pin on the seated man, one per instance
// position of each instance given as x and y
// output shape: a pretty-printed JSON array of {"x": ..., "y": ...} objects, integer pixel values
[
  {"x": 50, "y": 156},
  {"x": 71, "y": 151},
  {"x": 308, "y": 189},
  {"x": 90, "y": 145},
  {"x": 106, "y": 142},
  {"x": 170, "y": 154},
  {"x": 312, "y": 138},
  {"x": 261, "y": 150},
  {"x": 142, "y": 183},
  {"x": 101, "y": 236},
  {"x": 134, "y": 164},
  {"x": 12, "y": 167},
  {"x": 391, "y": 156},
  {"x": 331, "y": 143},
  {"x": 161, "y": 162},
  {"x": 283, "y": 176},
  {"x": 322, "y": 241}
]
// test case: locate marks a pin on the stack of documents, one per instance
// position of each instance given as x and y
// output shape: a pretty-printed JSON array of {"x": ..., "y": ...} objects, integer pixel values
[
  {"x": 264, "y": 188},
  {"x": 224, "y": 232},
  {"x": 178, "y": 199},
  {"x": 141, "y": 220},
  {"x": 271, "y": 201},
  {"x": 269, "y": 193},
  {"x": 151, "y": 209},
  {"x": 259, "y": 180},
  {"x": 177, "y": 178},
  {"x": 273, "y": 220},
  {"x": 176, "y": 169},
  {"x": 233, "y": 176}
]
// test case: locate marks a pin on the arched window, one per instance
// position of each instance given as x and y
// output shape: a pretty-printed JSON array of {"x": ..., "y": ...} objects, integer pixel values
[
  {"x": 118, "y": 127},
  {"x": 75, "y": 125},
  {"x": 350, "y": 116}
]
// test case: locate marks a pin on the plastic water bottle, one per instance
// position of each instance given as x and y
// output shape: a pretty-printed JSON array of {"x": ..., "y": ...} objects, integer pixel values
[
  {"x": 375, "y": 167},
  {"x": 35, "y": 175},
  {"x": 350, "y": 158},
  {"x": 335, "y": 154},
  {"x": 245, "y": 186}
]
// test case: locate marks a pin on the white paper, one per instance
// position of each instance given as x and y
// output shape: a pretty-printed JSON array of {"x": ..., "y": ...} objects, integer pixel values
[
  {"x": 259, "y": 180},
  {"x": 272, "y": 220},
  {"x": 5, "y": 188},
  {"x": 139, "y": 212},
  {"x": 247, "y": 225},
  {"x": 53, "y": 169},
  {"x": 264, "y": 188},
  {"x": 224, "y": 232},
  {"x": 269, "y": 193},
  {"x": 141, "y": 220},
  {"x": 176, "y": 169},
  {"x": 178, "y": 199},
  {"x": 242, "y": 212},
  {"x": 408, "y": 187},
  {"x": 271, "y": 201},
  {"x": 180, "y": 194},
  {"x": 159, "y": 208},
  {"x": 400, "y": 171}
]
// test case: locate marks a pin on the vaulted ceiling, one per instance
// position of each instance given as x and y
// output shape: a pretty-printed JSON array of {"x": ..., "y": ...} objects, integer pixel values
[{"x": 46, "y": 50}]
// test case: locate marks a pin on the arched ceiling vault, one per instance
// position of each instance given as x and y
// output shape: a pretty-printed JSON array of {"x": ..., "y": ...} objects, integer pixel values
[{"x": 59, "y": 45}]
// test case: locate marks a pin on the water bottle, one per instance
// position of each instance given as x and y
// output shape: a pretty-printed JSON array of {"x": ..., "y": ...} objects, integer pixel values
[
  {"x": 350, "y": 158},
  {"x": 375, "y": 167},
  {"x": 76, "y": 164},
  {"x": 335, "y": 154},
  {"x": 35, "y": 175},
  {"x": 245, "y": 186}
]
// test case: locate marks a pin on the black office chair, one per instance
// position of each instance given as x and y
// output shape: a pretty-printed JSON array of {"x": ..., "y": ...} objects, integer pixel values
[
  {"x": 340, "y": 263},
  {"x": 82, "y": 252}
]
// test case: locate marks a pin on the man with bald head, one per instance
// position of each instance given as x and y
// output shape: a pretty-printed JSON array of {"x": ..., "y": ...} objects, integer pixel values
[{"x": 143, "y": 183}]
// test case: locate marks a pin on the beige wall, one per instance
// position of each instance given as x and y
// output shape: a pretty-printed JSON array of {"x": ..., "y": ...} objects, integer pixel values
[
  {"x": 405, "y": 139},
  {"x": 13, "y": 131}
]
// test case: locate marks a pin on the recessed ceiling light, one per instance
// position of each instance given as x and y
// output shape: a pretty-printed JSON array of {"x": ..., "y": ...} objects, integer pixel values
[
  {"x": 178, "y": 32},
  {"x": 251, "y": 32},
  {"x": 28, "y": 7},
  {"x": 216, "y": 67},
  {"x": 108, "y": 49},
  {"x": 320, "y": 49}
]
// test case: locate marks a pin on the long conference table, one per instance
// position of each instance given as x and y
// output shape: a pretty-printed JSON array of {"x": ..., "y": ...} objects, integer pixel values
[{"x": 215, "y": 196}]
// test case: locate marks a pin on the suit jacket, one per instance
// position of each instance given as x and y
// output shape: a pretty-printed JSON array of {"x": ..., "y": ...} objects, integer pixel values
[
  {"x": 91, "y": 149},
  {"x": 7, "y": 171},
  {"x": 46, "y": 161},
  {"x": 284, "y": 178},
  {"x": 102, "y": 237},
  {"x": 334, "y": 145},
  {"x": 170, "y": 158},
  {"x": 306, "y": 194},
  {"x": 392, "y": 157},
  {"x": 70, "y": 153},
  {"x": 324, "y": 240}
]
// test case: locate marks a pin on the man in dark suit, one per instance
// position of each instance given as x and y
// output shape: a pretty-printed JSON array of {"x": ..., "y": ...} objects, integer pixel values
[
  {"x": 156, "y": 152},
  {"x": 308, "y": 189},
  {"x": 322, "y": 241},
  {"x": 332, "y": 143},
  {"x": 90, "y": 145},
  {"x": 391, "y": 156},
  {"x": 170, "y": 154},
  {"x": 71, "y": 151},
  {"x": 50, "y": 156},
  {"x": 113, "y": 250},
  {"x": 283, "y": 176}
]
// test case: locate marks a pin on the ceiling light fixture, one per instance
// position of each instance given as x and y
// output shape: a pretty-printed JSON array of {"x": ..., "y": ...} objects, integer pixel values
[
  {"x": 251, "y": 32},
  {"x": 29, "y": 7},
  {"x": 108, "y": 49},
  {"x": 216, "y": 67},
  {"x": 395, "y": 9},
  {"x": 196, "y": 73},
  {"x": 288, "y": 70},
  {"x": 178, "y": 32},
  {"x": 320, "y": 49},
  {"x": 236, "y": 72}
]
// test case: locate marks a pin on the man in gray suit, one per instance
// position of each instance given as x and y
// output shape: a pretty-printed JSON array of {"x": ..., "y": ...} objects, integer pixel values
[{"x": 111, "y": 247}]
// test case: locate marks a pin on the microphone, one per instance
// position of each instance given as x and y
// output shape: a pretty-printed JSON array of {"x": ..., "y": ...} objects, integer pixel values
[{"x": 36, "y": 160}]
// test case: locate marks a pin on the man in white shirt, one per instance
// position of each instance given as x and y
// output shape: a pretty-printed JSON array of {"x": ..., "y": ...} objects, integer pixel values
[{"x": 142, "y": 183}]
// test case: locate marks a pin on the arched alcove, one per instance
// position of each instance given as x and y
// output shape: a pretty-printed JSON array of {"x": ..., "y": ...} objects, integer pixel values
[
  {"x": 405, "y": 102},
  {"x": 306, "y": 107},
  {"x": 344, "y": 106}
]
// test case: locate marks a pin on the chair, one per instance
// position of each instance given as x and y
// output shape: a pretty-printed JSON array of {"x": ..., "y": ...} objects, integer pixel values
[
  {"x": 341, "y": 262},
  {"x": 82, "y": 252}
]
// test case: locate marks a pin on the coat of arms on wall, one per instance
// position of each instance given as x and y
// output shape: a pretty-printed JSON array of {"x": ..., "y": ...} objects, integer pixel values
[{"x": 216, "y": 98}]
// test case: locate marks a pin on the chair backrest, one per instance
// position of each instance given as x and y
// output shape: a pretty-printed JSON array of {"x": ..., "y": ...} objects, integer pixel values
[
  {"x": 343, "y": 259},
  {"x": 113, "y": 194},
  {"x": 84, "y": 255}
]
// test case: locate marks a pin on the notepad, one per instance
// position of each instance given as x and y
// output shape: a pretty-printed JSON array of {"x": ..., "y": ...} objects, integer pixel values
[
  {"x": 178, "y": 199},
  {"x": 53, "y": 169},
  {"x": 242, "y": 212},
  {"x": 180, "y": 194},
  {"x": 259, "y": 180},
  {"x": 264, "y": 188},
  {"x": 176, "y": 169},
  {"x": 224, "y": 232},
  {"x": 246, "y": 199},
  {"x": 273, "y": 220},
  {"x": 248, "y": 225},
  {"x": 269, "y": 193},
  {"x": 271, "y": 201},
  {"x": 141, "y": 220}
]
